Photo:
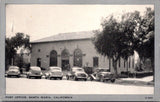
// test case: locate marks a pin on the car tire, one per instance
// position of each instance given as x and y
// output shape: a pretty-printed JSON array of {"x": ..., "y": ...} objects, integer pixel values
[
  {"x": 60, "y": 78},
  {"x": 29, "y": 77},
  {"x": 112, "y": 80},
  {"x": 75, "y": 78},
  {"x": 101, "y": 80},
  {"x": 67, "y": 77},
  {"x": 85, "y": 79}
]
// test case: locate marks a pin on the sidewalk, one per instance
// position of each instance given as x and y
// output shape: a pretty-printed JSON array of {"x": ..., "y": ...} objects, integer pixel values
[{"x": 136, "y": 81}]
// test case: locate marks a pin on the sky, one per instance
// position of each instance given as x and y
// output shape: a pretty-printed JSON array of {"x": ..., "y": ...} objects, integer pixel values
[{"x": 39, "y": 21}]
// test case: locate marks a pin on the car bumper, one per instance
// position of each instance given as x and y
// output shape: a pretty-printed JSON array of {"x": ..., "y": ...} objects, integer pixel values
[
  {"x": 81, "y": 77},
  {"x": 13, "y": 74},
  {"x": 32, "y": 75},
  {"x": 108, "y": 78},
  {"x": 55, "y": 76}
]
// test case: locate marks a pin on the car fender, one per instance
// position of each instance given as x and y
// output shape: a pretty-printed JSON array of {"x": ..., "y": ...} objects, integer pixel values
[{"x": 92, "y": 76}]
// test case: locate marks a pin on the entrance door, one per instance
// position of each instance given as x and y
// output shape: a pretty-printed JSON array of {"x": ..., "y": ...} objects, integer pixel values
[
  {"x": 65, "y": 64},
  {"x": 65, "y": 59}
]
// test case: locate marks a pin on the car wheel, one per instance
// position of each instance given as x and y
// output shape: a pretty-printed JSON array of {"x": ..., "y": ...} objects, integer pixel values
[
  {"x": 67, "y": 77},
  {"x": 60, "y": 78},
  {"x": 101, "y": 80},
  {"x": 75, "y": 78},
  {"x": 112, "y": 80},
  {"x": 85, "y": 79}
]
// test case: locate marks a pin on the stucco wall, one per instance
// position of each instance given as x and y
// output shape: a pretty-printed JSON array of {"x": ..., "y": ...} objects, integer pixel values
[{"x": 86, "y": 47}]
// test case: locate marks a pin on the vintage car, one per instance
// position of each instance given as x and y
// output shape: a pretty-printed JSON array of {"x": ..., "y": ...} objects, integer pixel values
[
  {"x": 77, "y": 73},
  {"x": 35, "y": 72},
  {"x": 102, "y": 74},
  {"x": 54, "y": 73},
  {"x": 13, "y": 71}
]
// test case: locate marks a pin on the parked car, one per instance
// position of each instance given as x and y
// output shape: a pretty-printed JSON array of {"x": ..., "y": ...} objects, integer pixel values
[
  {"x": 34, "y": 71},
  {"x": 13, "y": 71},
  {"x": 77, "y": 73},
  {"x": 102, "y": 74},
  {"x": 54, "y": 72}
]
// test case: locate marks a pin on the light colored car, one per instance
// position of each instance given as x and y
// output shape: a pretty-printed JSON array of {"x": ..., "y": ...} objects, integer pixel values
[
  {"x": 77, "y": 73},
  {"x": 102, "y": 74},
  {"x": 54, "y": 73},
  {"x": 13, "y": 71},
  {"x": 34, "y": 72}
]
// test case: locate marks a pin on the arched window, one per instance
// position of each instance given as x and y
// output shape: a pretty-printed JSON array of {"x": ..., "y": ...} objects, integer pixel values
[
  {"x": 53, "y": 58},
  {"x": 77, "y": 58}
]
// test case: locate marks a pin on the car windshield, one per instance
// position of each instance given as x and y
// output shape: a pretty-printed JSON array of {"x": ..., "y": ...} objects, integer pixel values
[
  {"x": 13, "y": 68},
  {"x": 78, "y": 69},
  {"x": 36, "y": 68},
  {"x": 55, "y": 69}
]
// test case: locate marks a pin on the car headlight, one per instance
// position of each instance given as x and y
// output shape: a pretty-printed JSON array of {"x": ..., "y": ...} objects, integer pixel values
[
  {"x": 86, "y": 75},
  {"x": 41, "y": 73}
]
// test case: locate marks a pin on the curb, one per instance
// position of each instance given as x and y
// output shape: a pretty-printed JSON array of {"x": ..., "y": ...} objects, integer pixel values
[{"x": 134, "y": 82}]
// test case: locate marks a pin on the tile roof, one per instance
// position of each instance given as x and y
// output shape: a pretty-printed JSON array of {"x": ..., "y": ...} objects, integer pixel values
[{"x": 66, "y": 36}]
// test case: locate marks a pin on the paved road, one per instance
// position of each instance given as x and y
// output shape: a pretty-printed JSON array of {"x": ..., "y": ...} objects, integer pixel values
[{"x": 45, "y": 86}]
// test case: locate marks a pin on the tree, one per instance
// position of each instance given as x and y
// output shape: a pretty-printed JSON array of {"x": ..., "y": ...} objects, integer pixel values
[
  {"x": 144, "y": 36},
  {"x": 13, "y": 44},
  {"x": 116, "y": 38}
]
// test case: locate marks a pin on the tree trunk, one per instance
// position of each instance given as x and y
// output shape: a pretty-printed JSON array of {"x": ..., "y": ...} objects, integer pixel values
[
  {"x": 152, "y": 65},
  {"x": 115, "y": 68}
]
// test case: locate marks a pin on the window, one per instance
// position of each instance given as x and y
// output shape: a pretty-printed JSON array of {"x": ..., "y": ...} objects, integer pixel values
[
  {"x": 39, "y": 50},
  {"x": 109, "y": 63},
  {"x": 129, "y": 62},
  {"x": 119, "y": 62},
  {"x": 133, "y": 62},
  {"x": 95, "y": 61},
  {"x": 53, "y": 58},
  {"x": 77, "y": 58},
  {"x": 39, "y": 62}
]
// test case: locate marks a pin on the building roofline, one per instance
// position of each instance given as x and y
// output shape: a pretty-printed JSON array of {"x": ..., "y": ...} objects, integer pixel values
[{"x": 60, "y": 40}]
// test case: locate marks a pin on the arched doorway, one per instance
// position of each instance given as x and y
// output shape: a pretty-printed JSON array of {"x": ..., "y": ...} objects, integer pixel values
[
  {"x": 65, "y": 59},
  {"x": 77, "y": 58},
  {"x": 53, "y": 58}
]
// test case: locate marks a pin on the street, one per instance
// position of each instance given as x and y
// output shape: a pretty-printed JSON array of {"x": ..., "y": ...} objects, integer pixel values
[{"x": 45, "y": 86}]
